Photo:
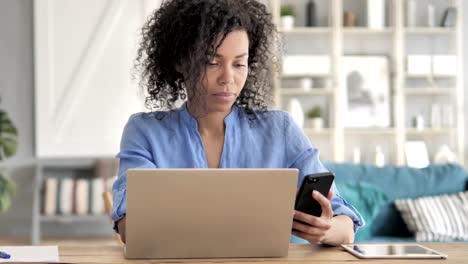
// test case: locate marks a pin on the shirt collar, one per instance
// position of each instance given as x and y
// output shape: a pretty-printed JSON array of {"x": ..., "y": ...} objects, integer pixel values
[{"x": 229, "y": 120}]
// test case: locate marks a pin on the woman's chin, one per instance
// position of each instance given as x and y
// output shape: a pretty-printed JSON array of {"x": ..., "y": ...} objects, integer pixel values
[{"x": 220, "y": 107}]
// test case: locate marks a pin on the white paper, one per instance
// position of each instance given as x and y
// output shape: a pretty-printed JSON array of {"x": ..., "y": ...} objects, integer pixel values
[
  {"x": 31, "y": 254},
  {"x": 367, "y": 91}
]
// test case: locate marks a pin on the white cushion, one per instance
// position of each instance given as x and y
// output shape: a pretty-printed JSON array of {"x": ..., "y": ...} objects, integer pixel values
[{"x": 436, "y": 218}]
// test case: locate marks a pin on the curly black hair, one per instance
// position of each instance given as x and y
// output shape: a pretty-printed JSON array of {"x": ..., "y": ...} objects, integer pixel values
[{"x": 180, "y": 38}]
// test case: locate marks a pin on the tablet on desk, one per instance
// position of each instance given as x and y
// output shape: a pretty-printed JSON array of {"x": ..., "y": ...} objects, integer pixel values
[{"x": 393, "y": 251}]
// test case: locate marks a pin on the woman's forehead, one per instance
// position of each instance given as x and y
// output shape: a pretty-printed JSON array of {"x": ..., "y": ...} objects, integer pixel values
[{"x": 234, "y": 44}]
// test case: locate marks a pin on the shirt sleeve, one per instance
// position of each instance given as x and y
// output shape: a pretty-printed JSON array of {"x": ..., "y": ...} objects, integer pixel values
[
  {"x": 302, "y": 155},
  {"x": 135, "y": 152}
]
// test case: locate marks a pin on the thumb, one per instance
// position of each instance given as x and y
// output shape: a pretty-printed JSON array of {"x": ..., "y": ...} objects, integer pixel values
[{"x": 330, "y": 195}]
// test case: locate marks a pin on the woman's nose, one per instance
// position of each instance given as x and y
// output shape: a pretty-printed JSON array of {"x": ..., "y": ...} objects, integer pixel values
[{"x": 227, "y": 75}]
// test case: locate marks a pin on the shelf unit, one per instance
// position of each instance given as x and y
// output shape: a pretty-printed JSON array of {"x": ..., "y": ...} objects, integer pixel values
[
  {"x": 397, "y": 38},
  {"x": 428, "y": 91},
  {"x": 307, "y": 30},
  {"x": 427, "y": 30},
  {"x": 300, "y": 91},
  {"x": 317, "y": 75},
  {"x": 68, "y": 219},
  {"x": 57, "y": 225},
  {"x": 367, "y": 31}
]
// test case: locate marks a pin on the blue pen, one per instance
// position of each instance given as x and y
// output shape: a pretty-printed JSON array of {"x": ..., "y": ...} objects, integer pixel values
[{"x": 4, "y": 255}]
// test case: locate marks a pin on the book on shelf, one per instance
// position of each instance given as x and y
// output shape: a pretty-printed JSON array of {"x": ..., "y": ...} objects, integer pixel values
[
  {"x": 81, "y": 196},
  {"x": 96, "y": 203},
  {"x": 50, "y": 196},
  {"x": 65, "y": 196},
  {"x": 74, "y": 196}
]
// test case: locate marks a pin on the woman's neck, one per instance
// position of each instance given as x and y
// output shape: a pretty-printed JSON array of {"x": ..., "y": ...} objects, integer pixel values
[{"x": 210, "y": 123}]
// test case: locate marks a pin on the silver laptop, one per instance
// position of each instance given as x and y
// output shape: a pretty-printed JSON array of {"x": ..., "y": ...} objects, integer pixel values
[{"x": 209, "y": 213}]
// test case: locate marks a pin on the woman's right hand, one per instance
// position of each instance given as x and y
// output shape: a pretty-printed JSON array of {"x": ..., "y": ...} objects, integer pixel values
[{"x": 121, "y": 226}]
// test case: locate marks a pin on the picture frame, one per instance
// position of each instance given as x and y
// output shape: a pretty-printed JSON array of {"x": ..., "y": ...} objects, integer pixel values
[{"x": 367, "y": 91}]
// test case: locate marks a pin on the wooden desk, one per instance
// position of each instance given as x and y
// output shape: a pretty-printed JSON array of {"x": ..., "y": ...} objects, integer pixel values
[{"x": 457, "y": 252}]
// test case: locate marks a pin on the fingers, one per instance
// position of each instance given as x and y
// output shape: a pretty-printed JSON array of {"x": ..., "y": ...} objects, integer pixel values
[
  {"x": 309, "y": 230},
  {"x": 314, "y": 229},
  {"x": 324, "y": 203},
  {"x": 311, "y": 239},
  {"x": 311, "y": 220}
]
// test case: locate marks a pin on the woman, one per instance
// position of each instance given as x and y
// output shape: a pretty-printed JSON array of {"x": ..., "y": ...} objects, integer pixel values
[{"x": 217, "y": 55}]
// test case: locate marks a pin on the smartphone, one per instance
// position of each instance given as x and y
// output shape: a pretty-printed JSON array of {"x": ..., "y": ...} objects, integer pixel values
[{"x": 320, "y": 182}]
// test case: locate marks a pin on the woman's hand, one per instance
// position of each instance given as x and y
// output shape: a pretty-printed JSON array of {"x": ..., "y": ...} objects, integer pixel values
[
  {"x": 121, "y": 226},
  {"x": 317, "y": 227}
]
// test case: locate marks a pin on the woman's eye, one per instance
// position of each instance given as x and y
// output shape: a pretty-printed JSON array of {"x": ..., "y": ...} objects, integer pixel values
[
  {"x": 240, "y": 65},
  {"x": 212, "y": 63}
]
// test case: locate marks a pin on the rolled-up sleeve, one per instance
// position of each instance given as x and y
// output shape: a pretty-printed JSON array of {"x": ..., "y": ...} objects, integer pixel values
[
  {"x": 302, "y": 155},
  {"x": 134, "y": 152},
  {"x": 341, "y": 207}
]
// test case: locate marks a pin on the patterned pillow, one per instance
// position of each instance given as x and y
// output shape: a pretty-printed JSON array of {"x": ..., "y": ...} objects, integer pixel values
[{"x": 436, "y": 218}]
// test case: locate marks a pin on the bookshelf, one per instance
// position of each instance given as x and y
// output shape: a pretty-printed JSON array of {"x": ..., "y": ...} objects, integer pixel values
[
  {"x": 426, "y": 30},
  {"x": 76, "y": 210},
  {"x": 409, "y": 93},
  {"x": 300, "y": 91},
  {"x": 367, "y": 31},
  {"x": 307, "y": 30}
]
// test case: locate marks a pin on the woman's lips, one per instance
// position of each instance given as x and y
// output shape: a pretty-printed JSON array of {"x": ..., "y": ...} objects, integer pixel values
[{"x": 224, "y": 97}]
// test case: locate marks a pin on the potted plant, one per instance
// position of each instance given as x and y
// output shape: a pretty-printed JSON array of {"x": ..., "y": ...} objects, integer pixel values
[
  {"x": 314, "y": 115},
  {"x": 287, "y": 16},
  {"x": 8, "y": 146}
]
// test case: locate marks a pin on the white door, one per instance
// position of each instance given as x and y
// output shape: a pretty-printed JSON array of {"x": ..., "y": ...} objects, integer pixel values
[{"x": 84, "y": 90}]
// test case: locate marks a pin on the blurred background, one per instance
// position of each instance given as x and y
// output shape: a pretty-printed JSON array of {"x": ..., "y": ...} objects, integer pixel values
[{"x": 376, "y": 82}]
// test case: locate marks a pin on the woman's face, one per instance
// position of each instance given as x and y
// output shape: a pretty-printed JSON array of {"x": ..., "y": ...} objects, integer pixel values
[{"x": 226, "y": 72}]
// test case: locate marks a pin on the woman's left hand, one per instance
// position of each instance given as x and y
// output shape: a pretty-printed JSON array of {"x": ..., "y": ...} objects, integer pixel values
[{"x": 316, "y": 227}]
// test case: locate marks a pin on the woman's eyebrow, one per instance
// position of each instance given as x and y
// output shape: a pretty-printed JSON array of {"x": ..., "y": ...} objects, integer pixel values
[{"x": 238, "y": 56}]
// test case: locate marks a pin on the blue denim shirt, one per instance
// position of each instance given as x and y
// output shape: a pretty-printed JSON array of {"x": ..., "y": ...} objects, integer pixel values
[{"x": 264, "y": 139}]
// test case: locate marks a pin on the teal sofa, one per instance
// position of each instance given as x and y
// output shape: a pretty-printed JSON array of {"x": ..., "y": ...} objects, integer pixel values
[{"x": 372, "y": 191}]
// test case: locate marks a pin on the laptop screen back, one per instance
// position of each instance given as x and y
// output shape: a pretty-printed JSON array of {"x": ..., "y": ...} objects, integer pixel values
[{"x": 209, "y": 213}]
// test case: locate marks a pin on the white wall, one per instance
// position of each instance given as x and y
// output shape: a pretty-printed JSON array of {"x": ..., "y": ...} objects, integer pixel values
[
  {"x": 17, "y": 93},
  {"x": 16, "y": 70}
]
